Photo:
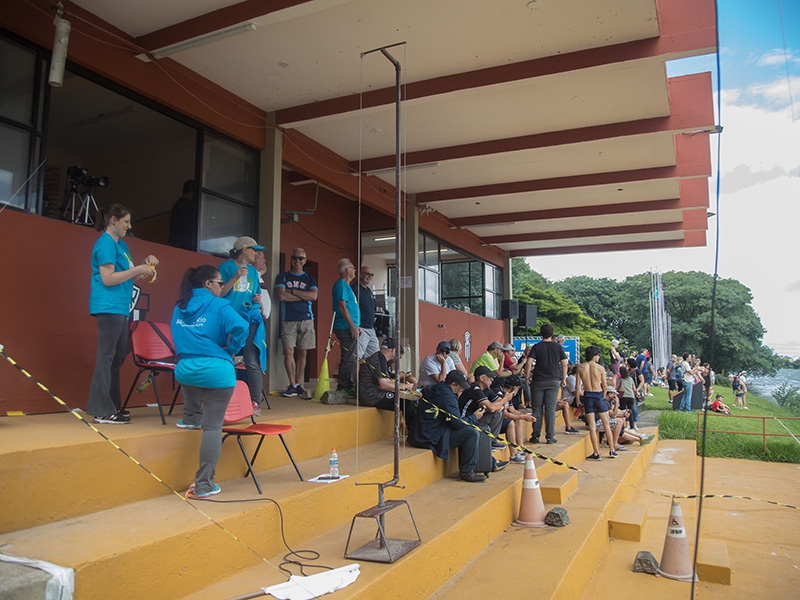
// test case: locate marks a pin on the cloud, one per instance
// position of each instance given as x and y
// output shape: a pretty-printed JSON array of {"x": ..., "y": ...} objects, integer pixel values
[
  {"x": 793, "y": 287},
  {"x": 743, "y": 176},
  {"x": 777, "y": 57}
]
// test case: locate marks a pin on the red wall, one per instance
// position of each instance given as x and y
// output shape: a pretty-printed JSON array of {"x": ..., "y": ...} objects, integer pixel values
[
  {"x": 483, "y": 330},
  {"x": 45, "y": 274}
]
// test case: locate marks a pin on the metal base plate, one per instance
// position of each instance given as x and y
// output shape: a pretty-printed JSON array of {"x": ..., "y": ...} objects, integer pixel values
[{"x": 376, "y": 552}]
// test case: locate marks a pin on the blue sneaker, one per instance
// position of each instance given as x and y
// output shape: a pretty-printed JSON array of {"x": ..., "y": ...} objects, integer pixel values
[
  {"x": 191, "y": 494},
  {"x": 184, "y": 425}
]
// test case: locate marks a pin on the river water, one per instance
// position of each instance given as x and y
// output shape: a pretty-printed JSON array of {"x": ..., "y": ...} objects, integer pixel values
[{"x": 764, "y": 386}]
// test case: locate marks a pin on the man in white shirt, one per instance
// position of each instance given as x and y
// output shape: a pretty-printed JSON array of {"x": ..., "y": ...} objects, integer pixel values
[{"x": 434, "y": 368}]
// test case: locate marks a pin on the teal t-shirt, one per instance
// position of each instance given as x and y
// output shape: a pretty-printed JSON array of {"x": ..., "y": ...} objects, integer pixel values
[
  {"x": 343, "y": 291},
  {"x": 115, "y": 299},
  {"x": 241, "y": 294}
]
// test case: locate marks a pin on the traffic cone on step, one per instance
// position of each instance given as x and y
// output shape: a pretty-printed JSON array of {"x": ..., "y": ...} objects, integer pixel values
[
  {"x": 323, "y": 381},
  {"x": 675, "y": 561},
  {"x": 531, "y": 505}
]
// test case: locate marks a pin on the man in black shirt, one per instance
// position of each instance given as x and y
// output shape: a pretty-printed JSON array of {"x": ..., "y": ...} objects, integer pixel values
[
  {"x": 367, "y": 340},
  {"x": 376, "y": 387},
  {"x": 183, "y": 219},
  {"x": 549, "y": 373}
]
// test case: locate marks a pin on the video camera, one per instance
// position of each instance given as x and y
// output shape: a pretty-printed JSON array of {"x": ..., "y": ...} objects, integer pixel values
[{"x": 80, "y": 176}]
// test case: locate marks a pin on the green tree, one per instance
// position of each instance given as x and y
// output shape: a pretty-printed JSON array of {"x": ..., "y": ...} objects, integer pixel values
[{"x": 598, "y": 298}]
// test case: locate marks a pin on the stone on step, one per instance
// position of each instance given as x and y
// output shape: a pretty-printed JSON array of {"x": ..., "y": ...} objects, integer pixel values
[
  {"x": 645, "y": 563},
  {"x": 557, "y": 517}
]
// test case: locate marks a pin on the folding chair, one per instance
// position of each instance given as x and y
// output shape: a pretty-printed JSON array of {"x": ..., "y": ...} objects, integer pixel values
[
  {"x": 153, "y": 351},
  {"x": 240, "y": 408}
]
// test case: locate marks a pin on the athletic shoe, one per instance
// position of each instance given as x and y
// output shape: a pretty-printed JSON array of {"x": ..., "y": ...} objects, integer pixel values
[
  {"x": 647, "y": 438},
  {"x": 499, "y": 465},
  {"x": 593, "y": 457},
  {"x": 115, "y": 419},
  {"x": 471, "y": 477},
  {"x": 290, "y": 392},
  {"x": 301, "y": 392},
  {"x": 621, "y": 449},
  {"x": 534, "y": 440},
  {"x": 497, "y": 445},
  {"x": 572, "y": 431},
  {"x": 184, "y": 425},
  {"x": 191, "y": 495},
  {"x": 551, "y": 441},
  {"x": 518, "y": 458},
  {"x": 612, "y": 454},
  {"x": 256, "y": 408}
]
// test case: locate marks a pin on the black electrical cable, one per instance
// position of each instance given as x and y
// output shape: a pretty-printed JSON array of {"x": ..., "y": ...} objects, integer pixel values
[
  {"x": 299, "y": 554},
  {"x": 711, "y": 335}
]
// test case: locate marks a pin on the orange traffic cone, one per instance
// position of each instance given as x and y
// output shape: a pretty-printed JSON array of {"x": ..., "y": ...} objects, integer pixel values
[
  {"x": 675, "y": 561},
  {"x": 531, "y": 505}
]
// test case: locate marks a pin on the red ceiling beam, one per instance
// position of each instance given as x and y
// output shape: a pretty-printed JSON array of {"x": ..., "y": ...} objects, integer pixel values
[
  {"x": 584, "y": 233},
  {"x": 690, "y": 162},
  {"x": 594, "y": 248},
  {"x": 679, "y": 35},
  {"x": 690, "y": 108},
  {"x": 213, "y": 21}
]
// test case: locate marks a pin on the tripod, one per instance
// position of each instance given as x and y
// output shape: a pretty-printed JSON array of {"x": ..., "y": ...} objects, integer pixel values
[{"x": 87, "y": 201}]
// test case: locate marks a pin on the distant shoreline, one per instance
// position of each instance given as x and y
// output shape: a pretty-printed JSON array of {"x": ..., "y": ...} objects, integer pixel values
[{"x": 764, "y": 386}]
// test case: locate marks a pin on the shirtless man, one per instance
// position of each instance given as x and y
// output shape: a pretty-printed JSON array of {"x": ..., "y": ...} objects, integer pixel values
[{"x": 593, "y": 380}]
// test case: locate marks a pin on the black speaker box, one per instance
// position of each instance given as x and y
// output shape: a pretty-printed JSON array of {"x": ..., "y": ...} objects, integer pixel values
[
  {"x": 509, "y": 309},
  {"x": 527, "y": 316}
]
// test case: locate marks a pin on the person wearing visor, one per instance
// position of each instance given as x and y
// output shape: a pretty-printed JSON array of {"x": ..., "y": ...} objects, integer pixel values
[{"x": 242, "y": 289}]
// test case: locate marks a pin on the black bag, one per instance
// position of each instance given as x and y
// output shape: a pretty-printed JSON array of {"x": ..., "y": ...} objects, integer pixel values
[{"x": 484, "y": 462}]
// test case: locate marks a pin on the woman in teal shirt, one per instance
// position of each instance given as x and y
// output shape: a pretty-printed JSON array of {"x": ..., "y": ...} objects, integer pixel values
[{"x": 113, "y": 273}]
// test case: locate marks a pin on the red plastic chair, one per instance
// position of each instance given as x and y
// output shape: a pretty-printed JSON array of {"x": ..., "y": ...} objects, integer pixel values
[
  {"x": 153, "y": 351},
  {"x": 240, "y": 408}
]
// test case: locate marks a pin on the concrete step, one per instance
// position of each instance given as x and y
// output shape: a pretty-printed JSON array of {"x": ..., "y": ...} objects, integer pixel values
[
  {"x": 566, "y": 555},
  {"x": 54, "y": 467},
  {"x": 628, "y": 522},
  {"x": 163, "y": 548},
  {"x": 456, "y": 521},
  {"x": 558, "y": 487}
]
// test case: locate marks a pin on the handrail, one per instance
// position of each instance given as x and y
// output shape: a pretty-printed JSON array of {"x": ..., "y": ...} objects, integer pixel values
[{"x": 764, "y": 435}]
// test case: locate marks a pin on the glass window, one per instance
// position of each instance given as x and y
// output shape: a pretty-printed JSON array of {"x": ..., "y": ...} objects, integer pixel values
[
  {"x": 221, "y": 222},
  {"x": 14, "y": 152},
  {"x": 432, "y": 287},
  {"x": 229, "y": 170},
  {"x": 17, "y": 76},
  {"x": 455, "y": 280}
]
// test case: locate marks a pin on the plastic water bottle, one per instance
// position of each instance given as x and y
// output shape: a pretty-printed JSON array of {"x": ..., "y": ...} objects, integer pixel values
[{"x": 334, "y": 462}]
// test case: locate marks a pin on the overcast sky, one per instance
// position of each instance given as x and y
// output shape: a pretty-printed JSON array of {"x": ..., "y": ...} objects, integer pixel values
[{"x": 759, "y": 215}]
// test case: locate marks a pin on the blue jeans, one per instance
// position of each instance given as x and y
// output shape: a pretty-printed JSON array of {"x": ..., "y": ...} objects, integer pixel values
[{"x": 686, "y": 401}]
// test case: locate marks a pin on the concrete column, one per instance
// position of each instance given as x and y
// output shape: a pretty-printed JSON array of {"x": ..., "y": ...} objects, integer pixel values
[
  {"x": 508, "y": 294},
  {"x": 409, "y": 303},
  {"x": 269, "y": 235}
]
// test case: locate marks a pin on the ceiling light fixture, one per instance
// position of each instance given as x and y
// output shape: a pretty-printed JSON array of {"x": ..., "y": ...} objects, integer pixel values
[
  {"x": 387, "y": 238},
  {"x": 213, "y": 36},
  {"x": 406, "y": 168}
]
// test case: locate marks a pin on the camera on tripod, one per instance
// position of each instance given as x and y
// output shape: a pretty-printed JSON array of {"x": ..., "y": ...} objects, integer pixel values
[{"x": 78, "y": 176}]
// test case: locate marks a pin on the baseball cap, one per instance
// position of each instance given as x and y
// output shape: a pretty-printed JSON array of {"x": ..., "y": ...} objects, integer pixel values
[
  {"x": 512, "y": 381},
  {"x": 246, "y": 242},
  {"x": 389, "y": 343},
  {"x": 457, "y": 377},
  {"x": 443, "y": 345},
  {"x": 508, "y": 347},
  {"x": 483, "y": 370}
]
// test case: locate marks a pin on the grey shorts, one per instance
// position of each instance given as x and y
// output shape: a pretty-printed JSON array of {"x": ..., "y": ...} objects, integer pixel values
[{"x": 298, "y": 334}]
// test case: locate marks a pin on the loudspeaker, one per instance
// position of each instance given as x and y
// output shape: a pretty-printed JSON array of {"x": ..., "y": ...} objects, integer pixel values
[
  {"x": 509, "y": 309},
  {"x": 527, "y": 316}
]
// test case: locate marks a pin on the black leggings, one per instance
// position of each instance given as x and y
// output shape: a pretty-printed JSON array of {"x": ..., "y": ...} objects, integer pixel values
[{"x": 627, "y": 403}]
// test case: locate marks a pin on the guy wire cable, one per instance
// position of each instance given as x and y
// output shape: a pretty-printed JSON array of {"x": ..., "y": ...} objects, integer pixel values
[
  {"x": 360, "y": 159},
  {"x": 711, "y": 336},
  {"x": 786, "y": 59}
]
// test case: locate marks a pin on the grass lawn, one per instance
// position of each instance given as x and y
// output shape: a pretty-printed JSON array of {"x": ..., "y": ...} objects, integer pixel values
[{"x": 683, "y": 426}]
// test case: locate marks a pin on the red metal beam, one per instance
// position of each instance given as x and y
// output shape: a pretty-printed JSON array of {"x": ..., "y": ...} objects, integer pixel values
[
  {"x": 583, "y": 233},
  {"x": 690, "y": 162},
  {"x": 690, "y": 108},
  {"x": 213, "y": 21},
  {"x": 686, "y": 26}
]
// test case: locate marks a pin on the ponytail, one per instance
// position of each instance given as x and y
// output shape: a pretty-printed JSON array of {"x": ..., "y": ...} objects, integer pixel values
[{"x": 194, "y": 278}]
